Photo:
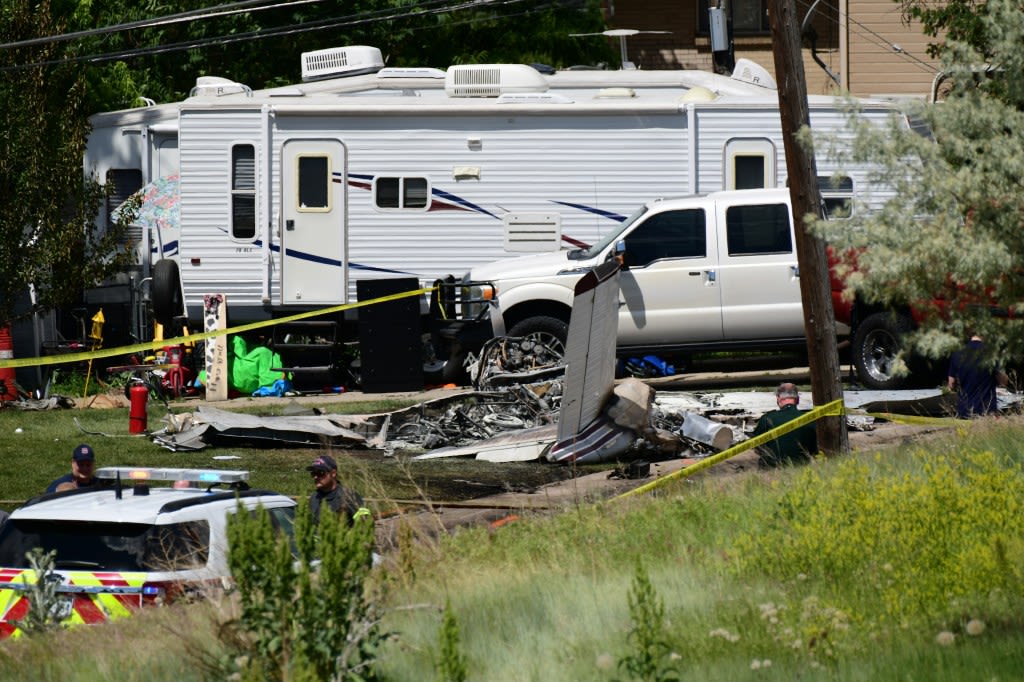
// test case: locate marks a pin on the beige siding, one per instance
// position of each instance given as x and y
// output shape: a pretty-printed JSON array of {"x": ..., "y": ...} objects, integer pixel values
[{"x": 876, "y": 68}]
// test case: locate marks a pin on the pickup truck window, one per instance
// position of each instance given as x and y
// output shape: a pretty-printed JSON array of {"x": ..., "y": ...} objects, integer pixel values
[
  {"x": 670, "y": 234},
  {"x": 753, "y": 230}
]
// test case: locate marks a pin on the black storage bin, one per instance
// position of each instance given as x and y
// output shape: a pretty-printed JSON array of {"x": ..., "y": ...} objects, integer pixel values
[{"x": 390, "y": 345}]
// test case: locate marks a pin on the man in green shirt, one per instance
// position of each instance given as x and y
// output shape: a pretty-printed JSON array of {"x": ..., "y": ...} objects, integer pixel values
[{"x": 795, "y": 447}]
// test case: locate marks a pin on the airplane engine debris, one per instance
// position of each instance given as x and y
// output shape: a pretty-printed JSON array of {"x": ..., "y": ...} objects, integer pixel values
[
  {"x": 703, "y": 430},
  {"x": 509, "y": 360}
]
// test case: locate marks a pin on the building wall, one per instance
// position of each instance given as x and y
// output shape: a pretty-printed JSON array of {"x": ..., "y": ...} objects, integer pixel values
[
  {"x": 874, "y": 27},
  {"x": 887, "y": 56}
]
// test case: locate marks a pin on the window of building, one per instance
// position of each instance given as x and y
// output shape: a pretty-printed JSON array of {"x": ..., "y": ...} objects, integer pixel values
[
  {"x": 749, "y": 17},
  {"x": 401, "y": 193},
  {"x": 314, "y": 183},
  {"x": 753, "y": 230},
  {"x": 670, "y": 234},
  {"x": 243, "y": 191}
]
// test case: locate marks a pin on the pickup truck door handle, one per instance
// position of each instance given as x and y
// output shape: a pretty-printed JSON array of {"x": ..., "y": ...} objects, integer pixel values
[
  {"x": 712, "y": 276},
  {"x": 795, "y": 270}
]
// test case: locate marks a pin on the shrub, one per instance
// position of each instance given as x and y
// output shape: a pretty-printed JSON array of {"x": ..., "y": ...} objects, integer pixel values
[
  {"x": 650, "y": 656},
  {"x": 926, "y": 541},
  {"x": 307, "y": 612}
]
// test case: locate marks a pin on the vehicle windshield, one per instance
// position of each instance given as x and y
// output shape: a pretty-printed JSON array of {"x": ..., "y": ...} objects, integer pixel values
[
  {"x": 88, "y": 545},
  {"x": 610, "y": 238}
]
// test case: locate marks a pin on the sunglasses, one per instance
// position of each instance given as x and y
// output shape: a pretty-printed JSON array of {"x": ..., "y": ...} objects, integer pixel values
[{"x": 319, "y": 474}]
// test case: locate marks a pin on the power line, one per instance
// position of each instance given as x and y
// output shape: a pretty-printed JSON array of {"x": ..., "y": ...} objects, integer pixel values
[
  {"x": 875, "y": 38},
  {"x": 170, "y": 19},
  {"x": 390, "y": 14}
]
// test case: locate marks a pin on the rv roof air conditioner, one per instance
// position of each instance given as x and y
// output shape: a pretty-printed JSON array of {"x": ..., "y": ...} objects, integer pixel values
[
  {"x": 492, "y": 80},
  {"x": 215, "y": 86},
  {"x": 753, "y": 73},
  {"x": 336, "y": 62}
]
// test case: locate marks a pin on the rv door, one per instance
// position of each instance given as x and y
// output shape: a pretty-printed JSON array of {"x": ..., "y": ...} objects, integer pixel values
[{"x": 313, "y": 218}]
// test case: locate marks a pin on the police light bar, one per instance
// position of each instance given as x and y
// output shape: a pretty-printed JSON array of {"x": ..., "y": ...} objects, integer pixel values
[{"x": 139, "y": 474}]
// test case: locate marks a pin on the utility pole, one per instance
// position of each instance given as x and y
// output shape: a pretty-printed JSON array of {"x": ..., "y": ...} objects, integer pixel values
[{"x": 815, "y": 279}]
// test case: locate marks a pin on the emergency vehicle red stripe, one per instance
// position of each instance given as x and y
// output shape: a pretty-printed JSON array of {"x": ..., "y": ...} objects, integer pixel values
[
  {"x": 88, "y": 610},
  {"x": 18, "y": 611}
]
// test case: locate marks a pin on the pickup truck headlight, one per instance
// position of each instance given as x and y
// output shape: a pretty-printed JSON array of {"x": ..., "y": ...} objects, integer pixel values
[{"x": 475, "y": 298}]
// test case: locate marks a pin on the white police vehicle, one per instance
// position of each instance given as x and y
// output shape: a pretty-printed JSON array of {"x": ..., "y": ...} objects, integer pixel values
[{"x": 128, "y": 543}]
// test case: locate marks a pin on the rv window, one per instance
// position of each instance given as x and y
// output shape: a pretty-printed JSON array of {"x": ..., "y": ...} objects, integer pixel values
[
  {"x": 122, "y": 183},
  {"x": 408, "y": 193},
  {"x": 243, "y": 191},
  {"x": 314, "y": 183},
  {"x": 749, "y": 172},
  {"x": 755, "y": 230},
  {"x": 672, "y": 234},
  {"x": 749, "y": 163},
  {"x": 837, "y": 195}
]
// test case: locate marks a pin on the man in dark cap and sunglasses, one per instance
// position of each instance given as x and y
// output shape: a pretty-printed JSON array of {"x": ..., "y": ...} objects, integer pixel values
[
  {"x": 83, "y": 461},
  {"x": 328, "y": 491}
]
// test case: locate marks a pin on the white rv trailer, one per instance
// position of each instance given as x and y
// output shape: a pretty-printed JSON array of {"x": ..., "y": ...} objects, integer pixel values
[{"x": 290, "y": 195}]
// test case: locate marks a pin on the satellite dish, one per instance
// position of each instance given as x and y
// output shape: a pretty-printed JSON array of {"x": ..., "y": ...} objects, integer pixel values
[{"x": 621, "y": 34}]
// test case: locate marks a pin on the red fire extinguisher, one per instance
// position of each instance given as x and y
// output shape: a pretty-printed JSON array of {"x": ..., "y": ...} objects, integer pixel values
[{"x": 138, "y": 395}]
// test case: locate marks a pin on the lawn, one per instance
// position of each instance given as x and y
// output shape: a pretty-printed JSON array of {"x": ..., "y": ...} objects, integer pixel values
[{"x": 897, "y": 564}]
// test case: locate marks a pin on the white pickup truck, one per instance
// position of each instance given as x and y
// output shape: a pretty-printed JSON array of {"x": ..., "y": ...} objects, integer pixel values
[{"x": 711, "y": 272}]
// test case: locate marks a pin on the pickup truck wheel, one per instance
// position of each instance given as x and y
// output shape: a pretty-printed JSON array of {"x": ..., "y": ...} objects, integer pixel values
[
  {"x": 167, "y": 301},
  {"x": 550, "y": 332},
  {"x": 876, "y": 345}
]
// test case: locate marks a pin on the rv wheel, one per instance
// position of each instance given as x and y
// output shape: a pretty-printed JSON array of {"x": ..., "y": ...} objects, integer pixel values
[{"x": 167, "y": 300}]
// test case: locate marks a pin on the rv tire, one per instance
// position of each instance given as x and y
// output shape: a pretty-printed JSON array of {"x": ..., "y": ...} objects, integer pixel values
[{"x": 167, "y": 299}]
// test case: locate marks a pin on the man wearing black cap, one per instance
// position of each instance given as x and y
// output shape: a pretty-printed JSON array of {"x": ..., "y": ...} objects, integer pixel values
[
  {"x": 328, "y": 491},
  {"x": 83, "y": 460}
]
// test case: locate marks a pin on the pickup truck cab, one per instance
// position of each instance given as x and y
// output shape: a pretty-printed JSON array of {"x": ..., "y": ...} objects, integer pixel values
[{"x": 717, "y": 271}]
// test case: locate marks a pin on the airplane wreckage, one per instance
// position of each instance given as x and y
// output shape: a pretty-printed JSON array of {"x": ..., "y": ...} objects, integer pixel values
[{"x": 575, "y": 413}]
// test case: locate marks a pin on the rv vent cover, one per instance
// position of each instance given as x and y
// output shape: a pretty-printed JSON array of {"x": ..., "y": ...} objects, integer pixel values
[
  {"x": 753, "y": 73},
  {"x": 334, "y": 62},
  {"x": 492, "y": 80},
  {"x": 215, "y": 86},
  {"x": 532, "y": 232},
  {"x": 410, "y": 72}
]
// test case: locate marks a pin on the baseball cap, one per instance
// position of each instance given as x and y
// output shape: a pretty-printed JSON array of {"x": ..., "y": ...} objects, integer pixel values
[
  {"x": 83, "y": 452},
  {"x": 323, "y": 463}
]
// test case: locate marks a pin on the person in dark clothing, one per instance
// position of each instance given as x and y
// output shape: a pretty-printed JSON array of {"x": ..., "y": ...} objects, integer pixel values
[
  {"x": 328, "y": 491},
  {"x": 83, "y": 460},
  {"x": 974, "y": 381},
  {"x": 795, "y": 447}
]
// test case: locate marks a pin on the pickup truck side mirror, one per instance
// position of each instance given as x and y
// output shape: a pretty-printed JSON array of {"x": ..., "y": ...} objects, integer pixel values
[{"x": 618, "y": 252}]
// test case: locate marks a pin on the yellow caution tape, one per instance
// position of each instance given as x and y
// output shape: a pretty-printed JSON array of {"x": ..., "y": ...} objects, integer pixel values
[
  {"x": 832, "y": 409},
  {"x": 153, "y": 345},
  {"x": 914, "y": 419}
]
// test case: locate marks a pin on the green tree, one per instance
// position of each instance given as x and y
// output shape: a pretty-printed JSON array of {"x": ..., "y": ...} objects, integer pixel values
[
  {"x": 46, "y": 240},
  {"x": 948, "y": 240}
]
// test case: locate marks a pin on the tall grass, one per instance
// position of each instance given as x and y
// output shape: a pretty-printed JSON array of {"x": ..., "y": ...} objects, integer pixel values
[{"x": 773, "y": 576}]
